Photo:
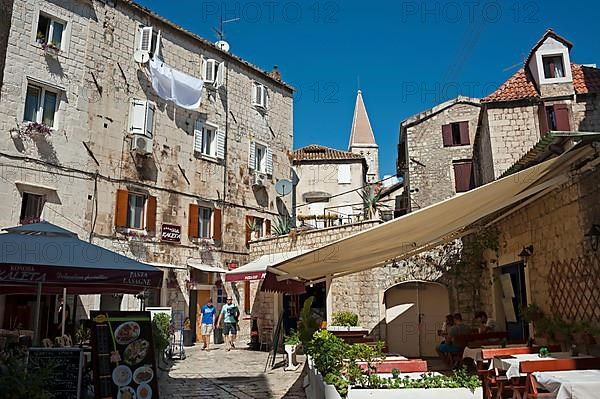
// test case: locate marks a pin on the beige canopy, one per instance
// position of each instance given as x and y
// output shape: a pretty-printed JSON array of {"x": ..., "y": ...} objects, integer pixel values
[{"x": 428, "y": 227}]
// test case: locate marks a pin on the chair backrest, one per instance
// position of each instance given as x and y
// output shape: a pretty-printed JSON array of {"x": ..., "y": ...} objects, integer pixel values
[
  {"x": 586, "y": 363},
  {"x": 405, "y": 366}
]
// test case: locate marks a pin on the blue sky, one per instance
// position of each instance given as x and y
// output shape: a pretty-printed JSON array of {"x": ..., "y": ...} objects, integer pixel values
[{"x": 407, "y": 55}]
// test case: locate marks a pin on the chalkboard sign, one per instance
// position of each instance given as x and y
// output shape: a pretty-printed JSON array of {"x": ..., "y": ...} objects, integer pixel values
[
  {"x": 63, "y": 368},
  {"x": 123, "y": 355}
]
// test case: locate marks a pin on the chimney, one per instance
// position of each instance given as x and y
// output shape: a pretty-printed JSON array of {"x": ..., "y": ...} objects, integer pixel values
[{"x": 275, "y": 74}]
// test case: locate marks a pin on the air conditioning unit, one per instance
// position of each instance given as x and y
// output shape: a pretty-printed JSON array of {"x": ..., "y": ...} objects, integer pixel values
[
  {"x": 141, "y": 145},
  {"x": 258, "y": 179}
]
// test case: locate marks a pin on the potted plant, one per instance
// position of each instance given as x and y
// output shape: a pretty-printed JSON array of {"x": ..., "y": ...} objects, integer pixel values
[
  {"x": 83, "y": 335},
  {"x": 345, "y": 321},
  {"x": 51, "y": 48},
  {"x": 291, "y": 343},
  {"x": 253, "y": 228}
]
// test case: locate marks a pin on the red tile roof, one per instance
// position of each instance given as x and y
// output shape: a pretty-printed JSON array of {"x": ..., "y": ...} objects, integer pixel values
[
  {"x": 315, "y": 152},
  {"x": 520, "y": 86}
]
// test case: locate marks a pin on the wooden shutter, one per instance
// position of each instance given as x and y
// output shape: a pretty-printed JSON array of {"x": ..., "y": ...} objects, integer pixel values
[
  {"x": 561, "y": 114},
  {"x": 193, "y": 221},
  {"x": 447, "y": 135},
  {"x": 220, "y": 78},
  {"x": 252, "y": 155},
  {"x": 121, "y": 208},
  {"x": 146, "y": 38},
  {"x": 149, "y": 119},
  {"x": 247, "y": 297},
  {"x": 463, "y": 176},
  {"x": 267, "y": 227},
  {"x": 151, "y": 213},
  {"x": 269, "y": 156},
  {"x": 248, "y": 231},
  {"x": 137, "y": 116},
  {"x": 220, "y": 136},
  {"x": 464, "y": 133},
  {"x": 543, "y": 119},
  {"x": 198, "y": 136},
  {"x": 217, "y": 233}
]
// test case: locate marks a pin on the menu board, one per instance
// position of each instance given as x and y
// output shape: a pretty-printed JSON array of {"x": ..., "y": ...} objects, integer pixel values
[
  {"x": 123, "y": 355},
  {"x": 62, "y": 368}
]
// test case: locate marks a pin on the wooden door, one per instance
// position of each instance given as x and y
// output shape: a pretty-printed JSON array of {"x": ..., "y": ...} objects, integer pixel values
[
  {"x": 402, "y": 319},
  {"x": 434, "y": 305},
  {"x": 202, "y": 296}
]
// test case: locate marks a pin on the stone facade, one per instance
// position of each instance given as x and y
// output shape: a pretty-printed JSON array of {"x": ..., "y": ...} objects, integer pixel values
[
  {"x": 430, "y": 174},
  {"x": 6, "y": 7},
  {"x": 80, "y": 166}
]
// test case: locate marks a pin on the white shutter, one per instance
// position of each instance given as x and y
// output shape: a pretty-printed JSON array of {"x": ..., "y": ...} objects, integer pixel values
[
  {"x": 254, "y": 92},
  {"x": 344, "y": 175},
  {"x": 202, "y": 67},
  {"x": 137, "y": 116},
  {"x": 265, "y": 97},
  {"x": 269, "y": 161},
  {"x": 252, "y": 156},
  {"x": 220, "y": 144},
  {"x": 146, "y": 38},
  {"x": 149, "y": 119},
  {"x": 220, "y": 79},
  {"x": 198, "y": 136},
  {"x": 209, "y": 71}
]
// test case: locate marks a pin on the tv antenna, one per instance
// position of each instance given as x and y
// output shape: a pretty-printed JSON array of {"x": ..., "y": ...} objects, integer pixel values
[
  {"x": 516, "y": 65},
  {"x": 220, "y": 31}
]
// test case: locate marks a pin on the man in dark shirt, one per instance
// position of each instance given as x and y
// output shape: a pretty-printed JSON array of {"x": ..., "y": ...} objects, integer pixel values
[{"x": 451, "y": 345}]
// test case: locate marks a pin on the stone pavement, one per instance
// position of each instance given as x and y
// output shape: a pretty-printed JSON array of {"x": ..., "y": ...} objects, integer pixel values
[{"x": 236, "y": 374}]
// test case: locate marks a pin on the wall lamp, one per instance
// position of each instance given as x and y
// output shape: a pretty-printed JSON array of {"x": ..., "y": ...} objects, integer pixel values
[
  {"x": 526, "y": 252},
  {"x": 594, "y": 236}
]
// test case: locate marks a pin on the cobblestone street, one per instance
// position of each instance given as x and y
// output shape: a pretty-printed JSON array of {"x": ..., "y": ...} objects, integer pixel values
[{"x": 235, "y": 374}]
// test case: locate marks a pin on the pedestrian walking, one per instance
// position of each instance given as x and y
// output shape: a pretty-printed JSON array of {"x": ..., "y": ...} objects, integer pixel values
[
  {"x": 208, "y": 322},
  {"x": 229, "y": 315}
]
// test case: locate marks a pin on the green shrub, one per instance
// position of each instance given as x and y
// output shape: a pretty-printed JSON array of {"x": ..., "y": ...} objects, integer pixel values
[
  {"x": 346, "y": 319},
  {"x": 160, "y": 332},
  {"x": 16, "y": 382},
  {"x": 292, "y": 339},
  {"x": 308, "y": 324},
  {"x": 328, "y": 352}
]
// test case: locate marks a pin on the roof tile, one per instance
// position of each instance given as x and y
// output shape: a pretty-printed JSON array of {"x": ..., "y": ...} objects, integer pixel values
[{"x": 315, "y": 152}]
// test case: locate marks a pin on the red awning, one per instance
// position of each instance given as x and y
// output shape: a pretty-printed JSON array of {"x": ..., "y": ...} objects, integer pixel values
[
  {"x": 270, "y": 284},
  {"x": 248, "y": 276}
]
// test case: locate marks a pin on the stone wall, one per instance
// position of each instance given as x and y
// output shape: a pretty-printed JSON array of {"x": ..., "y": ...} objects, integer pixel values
[
  {"x": 431, "y": 173},
  {"x": 87, "y": 158},
  {"x": 6, "y": 8},
  {"x": 555, "y": 225}
]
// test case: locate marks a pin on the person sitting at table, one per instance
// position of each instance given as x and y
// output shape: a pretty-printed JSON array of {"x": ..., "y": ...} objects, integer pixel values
[
  {"x": 449, "y": 322},
  {"x": 452, "y": 345},
  {"x": 485, "y": 325}
]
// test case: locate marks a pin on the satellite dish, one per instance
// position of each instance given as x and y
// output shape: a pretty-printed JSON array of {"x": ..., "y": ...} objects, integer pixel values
[
  {"x": 141, "y": 56},
  {"x": 223, "y": 45},
  {"x": 283, "y": 187}
]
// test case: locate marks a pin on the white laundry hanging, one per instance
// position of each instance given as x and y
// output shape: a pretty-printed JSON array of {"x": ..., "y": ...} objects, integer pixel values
[{"x": 173, "y": 85}]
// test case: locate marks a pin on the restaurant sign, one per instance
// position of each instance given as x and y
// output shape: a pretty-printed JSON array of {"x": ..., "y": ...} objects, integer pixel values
[{"x": 170, "y": 232}]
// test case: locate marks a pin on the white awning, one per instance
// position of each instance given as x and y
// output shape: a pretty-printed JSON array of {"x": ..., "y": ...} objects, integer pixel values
[
  {"x": 198, "y": 265},
  {"x": 428, "y": 227},
  {"x": 257, "y": 269}
]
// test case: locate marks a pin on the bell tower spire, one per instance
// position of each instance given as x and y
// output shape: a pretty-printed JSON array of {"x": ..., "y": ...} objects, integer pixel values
[{"x": 362, "y": 139}]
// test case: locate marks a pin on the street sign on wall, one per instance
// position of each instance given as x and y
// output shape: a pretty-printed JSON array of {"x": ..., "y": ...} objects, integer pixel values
[{"x": 170, "y": 232}]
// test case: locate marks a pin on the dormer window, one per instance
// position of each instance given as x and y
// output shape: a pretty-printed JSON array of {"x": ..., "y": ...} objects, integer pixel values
[{"x": 553, "y": 66}]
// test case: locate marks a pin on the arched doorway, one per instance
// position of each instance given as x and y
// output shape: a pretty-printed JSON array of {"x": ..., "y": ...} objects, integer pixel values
[{"x": 414, "y": 312}]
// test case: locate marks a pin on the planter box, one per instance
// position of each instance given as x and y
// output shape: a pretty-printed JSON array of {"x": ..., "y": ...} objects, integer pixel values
[
  {"x": 415, "y": 393},
  {"x": 347, "y": 328},
  {"x": 315, "y": 387}
]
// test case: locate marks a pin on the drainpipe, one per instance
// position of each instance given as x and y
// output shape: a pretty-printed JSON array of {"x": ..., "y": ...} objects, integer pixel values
[{"x": 225, "y": 149}]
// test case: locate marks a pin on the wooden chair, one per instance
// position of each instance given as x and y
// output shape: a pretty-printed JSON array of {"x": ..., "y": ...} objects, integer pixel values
[
  {"x": 528, "y": 367},
  {"x": 47, "y": 343},
  {"x": 494, "y": 382}
]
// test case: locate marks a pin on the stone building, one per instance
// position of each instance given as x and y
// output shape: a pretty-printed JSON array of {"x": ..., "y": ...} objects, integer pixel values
[
  {"x": 362, "y": 139},
  {"x": 130, "y": 170},
  {"x": 329, "y": 185}
]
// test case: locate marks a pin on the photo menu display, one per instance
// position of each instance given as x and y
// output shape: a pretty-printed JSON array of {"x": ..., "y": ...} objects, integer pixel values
[{"x": 123, "y": 355}]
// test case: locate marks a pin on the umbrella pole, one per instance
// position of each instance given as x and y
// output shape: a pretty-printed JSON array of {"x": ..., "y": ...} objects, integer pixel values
[
  {"x": 36, "y": 320},
  {"x": 63, "y": 316}
]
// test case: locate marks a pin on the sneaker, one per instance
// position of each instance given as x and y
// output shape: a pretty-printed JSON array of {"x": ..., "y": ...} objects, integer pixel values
[
  {"x": 233, "y": 345},
  {"x": 204, "y": 347}
]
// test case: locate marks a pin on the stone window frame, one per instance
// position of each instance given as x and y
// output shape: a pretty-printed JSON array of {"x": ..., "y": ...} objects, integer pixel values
[
  {"x": 44, "y": 87},
  {"x": 564, "y": 53},
  {"x": 63, "y": 19},
  {"x": 264, "y": 103}
]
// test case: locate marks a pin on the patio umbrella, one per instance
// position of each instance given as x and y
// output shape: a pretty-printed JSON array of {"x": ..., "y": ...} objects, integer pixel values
[{"x": 43, "y": 257}]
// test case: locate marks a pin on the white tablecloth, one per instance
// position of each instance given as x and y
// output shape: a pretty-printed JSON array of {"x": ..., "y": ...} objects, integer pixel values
[
  {"x": 572, "y": 384},
  {"x": 475, "y": 353},
  {"x": 511, "y": 364}
]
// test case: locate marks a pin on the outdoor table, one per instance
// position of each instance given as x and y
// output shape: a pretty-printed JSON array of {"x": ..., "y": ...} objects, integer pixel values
[
  {"x": 475, "y": 352},
  {"x": 571, "y": 384},
  {"x": 511, "y": 363}
]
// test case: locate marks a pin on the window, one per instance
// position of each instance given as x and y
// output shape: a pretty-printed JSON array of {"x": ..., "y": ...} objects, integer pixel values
[
  {"x": 135, "y": 210},
  {"x": 455, "y": 134},
  {"x": 50, "y": 31},
  {"x": 344, "y": 174},
  {"x": 463, "y": 175},
  {"x": 40, "y": 105},
  {"x": 204, "y": 222},
  {"x": 553, "y": 66},
  {"x": 209, "y": 140},
  {"x": 260, "y": 156},
  {"x": 31, "y": 208},
  {"x": 260, "y": 97},
  {"x": 210, "y": 70},
  {"x": 148, "y": 39},
  {"x": 141, "y": 117},
  {"x": 259, "y": 227}
]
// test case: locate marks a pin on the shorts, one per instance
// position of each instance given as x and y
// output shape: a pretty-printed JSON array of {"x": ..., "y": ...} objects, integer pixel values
[
  {"x": 229, "y": 328},
  {"x": 449, "y": 348},
  {"x": 207, "y": 329}
]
